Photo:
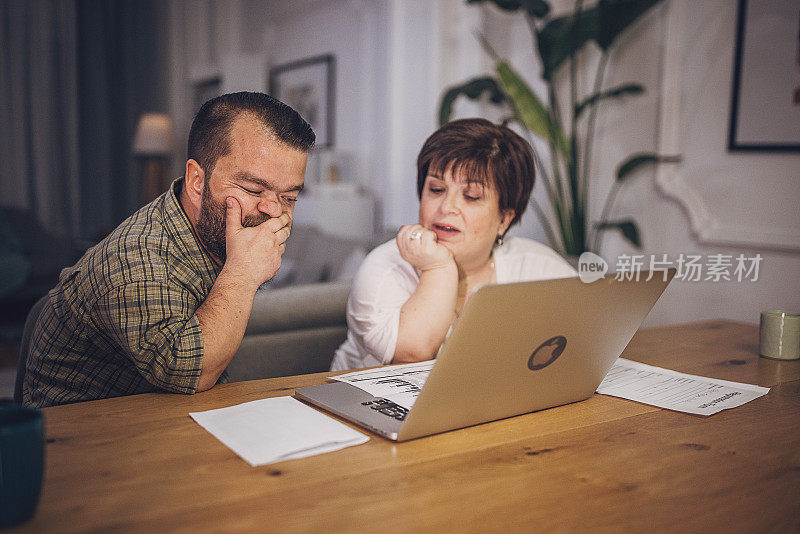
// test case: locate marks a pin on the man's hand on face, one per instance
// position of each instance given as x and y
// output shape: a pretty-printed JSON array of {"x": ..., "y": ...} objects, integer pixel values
[{"x": 253, "y": 253}]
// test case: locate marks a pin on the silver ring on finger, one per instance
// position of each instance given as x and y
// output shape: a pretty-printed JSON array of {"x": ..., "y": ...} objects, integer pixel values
[{"x": 416, "y": 234}]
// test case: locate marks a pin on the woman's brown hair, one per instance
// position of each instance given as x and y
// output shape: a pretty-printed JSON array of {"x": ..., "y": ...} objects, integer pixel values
[{"x": 481, "y": 151}]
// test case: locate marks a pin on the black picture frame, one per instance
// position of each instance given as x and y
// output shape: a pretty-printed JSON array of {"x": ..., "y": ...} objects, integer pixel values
[
  {"x": 308, "y": 86},
  {"x": 206, "y": 89},
  {"x": 752, "y": 90}
]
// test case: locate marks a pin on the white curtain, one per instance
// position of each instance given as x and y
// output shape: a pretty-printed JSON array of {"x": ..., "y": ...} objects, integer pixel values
[{"x": 39, "y": 111}]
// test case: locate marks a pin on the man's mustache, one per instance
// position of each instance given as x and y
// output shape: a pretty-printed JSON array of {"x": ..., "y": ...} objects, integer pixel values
[{"x": 254, "y": 220}]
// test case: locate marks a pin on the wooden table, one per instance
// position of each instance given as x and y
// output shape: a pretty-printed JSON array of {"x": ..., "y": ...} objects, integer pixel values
[{"x": 141, "y": 463}]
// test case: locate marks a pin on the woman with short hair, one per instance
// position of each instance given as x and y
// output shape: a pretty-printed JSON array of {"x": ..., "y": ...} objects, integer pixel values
[{"x": 474, "y": 180}]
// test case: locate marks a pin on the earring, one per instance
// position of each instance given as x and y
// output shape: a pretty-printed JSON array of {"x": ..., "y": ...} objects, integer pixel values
[{"x": 499, "y": 241}]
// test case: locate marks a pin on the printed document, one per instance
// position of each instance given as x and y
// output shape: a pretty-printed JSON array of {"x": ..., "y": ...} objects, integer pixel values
[
  {"x": 627, "y": 379},
  {"x": 276, "y": 429},
  {"x": 675, "y": 391},
  {"x": 400, "y": 384}
]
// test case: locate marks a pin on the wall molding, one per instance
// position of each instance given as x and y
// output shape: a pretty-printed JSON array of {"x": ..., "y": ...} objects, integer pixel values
[{"x": 705, "y": 224}]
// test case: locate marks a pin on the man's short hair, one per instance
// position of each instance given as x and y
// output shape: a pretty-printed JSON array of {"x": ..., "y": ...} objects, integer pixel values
[
  {"x": 209, "y": 137},
  {"x": 485, "y": 152}
]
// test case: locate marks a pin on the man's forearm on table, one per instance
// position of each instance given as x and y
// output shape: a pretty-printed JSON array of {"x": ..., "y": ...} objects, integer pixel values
[{"x": 223, "y": 318}]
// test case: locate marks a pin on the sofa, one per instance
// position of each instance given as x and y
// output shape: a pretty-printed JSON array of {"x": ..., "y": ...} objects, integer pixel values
[
  {"x": 299, "y": 317},
  {"x": 31, "y": 258},
  {"x": 292, "y": 330}
]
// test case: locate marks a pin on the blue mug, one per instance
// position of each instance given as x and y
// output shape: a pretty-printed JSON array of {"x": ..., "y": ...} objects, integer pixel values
[{"x": 21, "y": 462}]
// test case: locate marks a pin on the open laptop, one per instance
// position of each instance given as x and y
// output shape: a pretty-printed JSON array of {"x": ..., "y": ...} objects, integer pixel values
[{"x": 516, "y": 348}]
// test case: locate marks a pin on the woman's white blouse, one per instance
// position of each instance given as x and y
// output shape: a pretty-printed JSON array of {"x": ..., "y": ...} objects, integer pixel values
[{"x": 385, "y": 281}]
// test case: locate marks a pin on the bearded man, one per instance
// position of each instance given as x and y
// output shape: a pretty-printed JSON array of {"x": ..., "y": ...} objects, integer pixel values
[{"x": 162, "y": 303}]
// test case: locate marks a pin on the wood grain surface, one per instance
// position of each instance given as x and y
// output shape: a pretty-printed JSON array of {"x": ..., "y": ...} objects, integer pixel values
[{"x": 141, "y": 464}]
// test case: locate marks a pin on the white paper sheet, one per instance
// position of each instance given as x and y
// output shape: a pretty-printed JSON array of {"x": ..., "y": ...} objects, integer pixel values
[
  {"x": 276, "y": 429},
  {"x": 400, "y": 384},
  {"x": 675, "y": 391},
  {"x": 627, "y": 379}
]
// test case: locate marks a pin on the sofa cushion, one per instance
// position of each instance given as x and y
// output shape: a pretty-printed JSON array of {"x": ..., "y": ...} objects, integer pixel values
[
  {"x": 287, "y": 353},
  {"x": 292, "y": 330},
  {"x": 301, "y": 306},
  {"x": 313, "y": 256}
]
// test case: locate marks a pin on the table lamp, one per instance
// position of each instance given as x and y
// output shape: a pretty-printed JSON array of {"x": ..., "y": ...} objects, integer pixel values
[{"x": 152, "y": 145}]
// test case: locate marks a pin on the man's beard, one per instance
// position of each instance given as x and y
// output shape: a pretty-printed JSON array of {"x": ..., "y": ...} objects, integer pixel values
[{"x": 211, "y": 225}]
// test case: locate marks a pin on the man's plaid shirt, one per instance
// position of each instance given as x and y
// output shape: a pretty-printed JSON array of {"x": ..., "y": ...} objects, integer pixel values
[{"x": 122, "y": 320}]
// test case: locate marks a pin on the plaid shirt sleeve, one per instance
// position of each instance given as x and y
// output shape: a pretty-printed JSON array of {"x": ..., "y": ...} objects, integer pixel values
[{"x": 154, "y": 325}]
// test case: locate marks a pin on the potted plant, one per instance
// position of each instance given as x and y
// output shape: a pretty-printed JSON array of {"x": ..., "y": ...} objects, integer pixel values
[{"x": 569, "y": 136}]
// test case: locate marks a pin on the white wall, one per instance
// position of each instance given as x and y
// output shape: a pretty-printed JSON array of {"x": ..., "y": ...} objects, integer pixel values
[
  {"x": 345, "y": 29},
  {"x": 714, "y": 202},
  {"x": 394, "y": 57},
  {"x": 386, "y": 74},
  {"x": 726, "y": 203}
]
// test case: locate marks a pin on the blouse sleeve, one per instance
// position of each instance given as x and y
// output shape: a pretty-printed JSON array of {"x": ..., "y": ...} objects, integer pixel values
[{"x": 381, "y": 287}]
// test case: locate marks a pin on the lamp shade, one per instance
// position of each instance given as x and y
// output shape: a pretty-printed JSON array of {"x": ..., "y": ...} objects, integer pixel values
[{"x": 153, "y": 135}]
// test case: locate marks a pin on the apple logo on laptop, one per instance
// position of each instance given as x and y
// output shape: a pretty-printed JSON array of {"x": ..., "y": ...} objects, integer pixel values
[{"x": 547, "y": 353}]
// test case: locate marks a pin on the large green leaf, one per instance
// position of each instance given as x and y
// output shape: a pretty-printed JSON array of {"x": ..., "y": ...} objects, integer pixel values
[
  {"x": 534, "y": 8},
  {"x": 616, "y": 16},
  {"x": 628, "y": 228},
  {"x": 615, "y": 92},
  {"x": 473, "y": 89},
  {"x": 638, "y": 160},
  {"x": 530, "y": 109},
  {"x": 562, "y": 37}
]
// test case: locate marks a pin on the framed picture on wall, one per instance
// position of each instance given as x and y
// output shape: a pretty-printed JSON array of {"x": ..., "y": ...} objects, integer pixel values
[
  {"x": 765, "y": 103},
  {"x": 205, "y": 89},
  {"x": 308, "y": 87}
]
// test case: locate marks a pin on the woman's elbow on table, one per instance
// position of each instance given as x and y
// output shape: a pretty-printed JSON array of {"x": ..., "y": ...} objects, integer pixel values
[{"x": 410, "y": 352}]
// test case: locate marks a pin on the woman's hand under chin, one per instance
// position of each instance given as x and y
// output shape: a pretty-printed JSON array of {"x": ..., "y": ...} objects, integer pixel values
[
  {"x": 424, "y": 252},
  {"x": 426, "y": 316}
]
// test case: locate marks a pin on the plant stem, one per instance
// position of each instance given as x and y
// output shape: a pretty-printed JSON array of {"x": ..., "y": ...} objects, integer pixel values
[
  {"x": 554, "y": 204},
  {"x": 589, "y": 142},
  {"x": 548, "y": 183},
  {"x": 612, "y": 195},
  {"x": 561, "y": 203},
  {"x": 556, "y": 115},
  {"x": 573, "y": 97},
  {"x": 554, "y": 156},
  {"x": 558, "y": 201},
  {"x": 542, "y": 171},
  {"x": 572, "y": 164},
  {"x": 545, "y": 223}
]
